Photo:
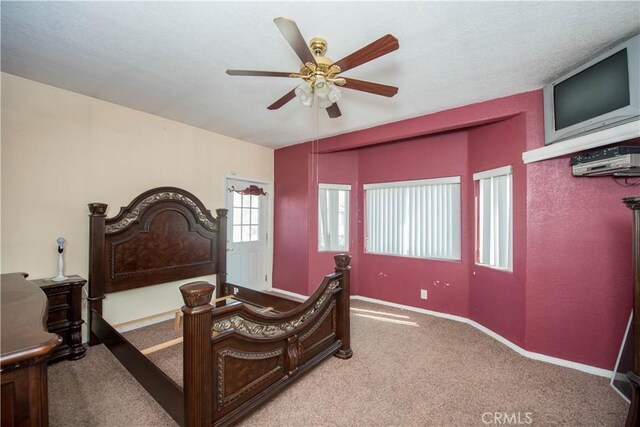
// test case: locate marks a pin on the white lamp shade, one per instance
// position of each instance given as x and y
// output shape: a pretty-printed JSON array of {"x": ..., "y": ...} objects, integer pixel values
[
  {"x": 304, "y": 92},
  {"x": 334, "y": 94},
  {"x": 324, "y": 102},
  {"x": 321, "y": 87}
]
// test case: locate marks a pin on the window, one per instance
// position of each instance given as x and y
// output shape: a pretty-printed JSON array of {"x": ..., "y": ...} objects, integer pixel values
[
  {"x": 414, "y": 218},
  {"x": 246, "y": 218},
  {"x": 333, "y": 217},
  {"x": 495, "y": 218}
]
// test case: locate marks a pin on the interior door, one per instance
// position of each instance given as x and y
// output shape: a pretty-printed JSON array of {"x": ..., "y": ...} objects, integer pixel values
[{"x": 247, "y": 234}]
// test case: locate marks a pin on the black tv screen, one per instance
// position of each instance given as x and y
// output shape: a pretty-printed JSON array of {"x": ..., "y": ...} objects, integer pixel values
[{"x": 597, "y": 90}]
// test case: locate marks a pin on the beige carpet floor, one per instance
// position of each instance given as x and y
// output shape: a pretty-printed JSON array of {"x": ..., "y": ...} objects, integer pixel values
[{"x": 408, "y": 369}]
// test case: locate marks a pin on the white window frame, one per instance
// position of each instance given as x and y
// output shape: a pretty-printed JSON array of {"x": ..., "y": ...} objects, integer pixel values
[
  {"x": 333, "y": 220},
  {"x": 252, "y": 224},
  {"x": 400, "y": 245},
  {"x": 481, "y": 233}
]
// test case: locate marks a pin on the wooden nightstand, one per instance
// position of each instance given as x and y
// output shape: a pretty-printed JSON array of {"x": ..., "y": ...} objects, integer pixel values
[{"x": 65, "y": 315}]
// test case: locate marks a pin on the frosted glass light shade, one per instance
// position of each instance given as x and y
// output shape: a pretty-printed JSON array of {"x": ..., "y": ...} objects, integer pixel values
[
  {"x": 321, "y": 87},
  {"x": 324, "y": 102},
  {"x": 334, "y": 94},
  {"x": 304, "y": 93}
]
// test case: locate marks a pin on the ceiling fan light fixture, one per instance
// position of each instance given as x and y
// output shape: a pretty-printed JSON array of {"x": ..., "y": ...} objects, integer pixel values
[
  {"x": 304, "y": 92},
  {"x": 334, "y": 94},
  {"x": 320, "y": 73},
  {"x": 321, "y": 87},
  {"x": 324, "y": 102}
]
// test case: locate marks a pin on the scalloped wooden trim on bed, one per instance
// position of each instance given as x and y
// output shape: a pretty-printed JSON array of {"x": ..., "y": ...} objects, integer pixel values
[{"x": 235, "y": 356}]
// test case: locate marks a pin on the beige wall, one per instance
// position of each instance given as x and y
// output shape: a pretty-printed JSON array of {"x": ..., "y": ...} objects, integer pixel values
[{"x": 62, "y": 150}]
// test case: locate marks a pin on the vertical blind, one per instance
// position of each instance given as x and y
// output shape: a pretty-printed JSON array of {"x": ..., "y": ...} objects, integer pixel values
[
  {"x": 414, "y": 218},
  {"x": 495, "y": 218},
  {"x": 333, "y": 217}
]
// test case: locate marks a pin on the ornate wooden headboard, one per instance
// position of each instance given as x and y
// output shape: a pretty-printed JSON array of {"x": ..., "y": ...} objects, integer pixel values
[{"x": 164, "y": 234}]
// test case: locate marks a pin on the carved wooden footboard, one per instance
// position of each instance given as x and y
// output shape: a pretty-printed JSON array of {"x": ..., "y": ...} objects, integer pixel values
[{"x": 255, "y": 355}]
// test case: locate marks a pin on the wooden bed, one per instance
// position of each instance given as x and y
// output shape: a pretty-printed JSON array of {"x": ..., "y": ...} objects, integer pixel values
[{"x": 236, "y": 356}]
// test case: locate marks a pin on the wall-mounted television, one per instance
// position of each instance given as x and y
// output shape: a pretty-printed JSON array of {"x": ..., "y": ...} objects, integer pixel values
[{"x": 601, "y": 93}]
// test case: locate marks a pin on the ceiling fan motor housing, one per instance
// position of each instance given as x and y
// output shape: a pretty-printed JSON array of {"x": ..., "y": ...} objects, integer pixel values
[
  {"x": 323, "y": 71},
  {"x": 318, "y": 46}
]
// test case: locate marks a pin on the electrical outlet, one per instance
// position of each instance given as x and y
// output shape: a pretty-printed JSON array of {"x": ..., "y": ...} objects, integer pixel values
[
  {"x": 235, "y": 290},
  {"x": 423, "y": 293}
]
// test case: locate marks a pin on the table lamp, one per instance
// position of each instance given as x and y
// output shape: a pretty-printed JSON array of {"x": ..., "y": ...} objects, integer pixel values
[{"x": 60, "y": 277}]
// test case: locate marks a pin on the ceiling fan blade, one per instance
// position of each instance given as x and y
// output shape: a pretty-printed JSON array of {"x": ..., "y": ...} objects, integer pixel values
[
  {"x": 290, "y": 31},
  {"x": 280, "y": 102},
  {"x": 258, "y": 73},
  {"x": 375, "y": 88},
  {"x": 378, "y": 48},
  {"x": 334, "y": 111}
]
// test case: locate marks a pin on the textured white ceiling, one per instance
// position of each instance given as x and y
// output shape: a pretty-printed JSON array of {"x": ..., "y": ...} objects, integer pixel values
[{"x": 169, "y": 58}]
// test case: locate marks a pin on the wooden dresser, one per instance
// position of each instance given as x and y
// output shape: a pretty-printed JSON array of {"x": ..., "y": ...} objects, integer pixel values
[
  {"x": 65, "y": 315},
  {"x": 25, "y": 347}
]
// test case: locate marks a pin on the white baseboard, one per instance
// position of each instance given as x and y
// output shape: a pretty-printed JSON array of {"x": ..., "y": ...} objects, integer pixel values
[
  {"x": 526, "y": 353},
  {"x": 415, "y": 309},
  {"x": 143, "y": 323},
  {"x": 529, "y": 354},
  {"x": 289, "y": 294}
]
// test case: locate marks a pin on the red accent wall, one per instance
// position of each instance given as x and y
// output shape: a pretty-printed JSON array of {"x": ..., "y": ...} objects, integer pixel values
[
  {"x": 497, "y": 299},
  {"x": 299, "y": 266},
  {"x": 579, "y": 277},
  {"x": 569, "y": 295},
  {"x": 291, "y": 210},
  {"x": 399, "y": 279},
  {"x": 333, "y": 168}
]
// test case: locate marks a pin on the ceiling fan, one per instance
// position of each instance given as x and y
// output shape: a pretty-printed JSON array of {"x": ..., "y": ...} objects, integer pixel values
[{"x": 320, "y": 74}]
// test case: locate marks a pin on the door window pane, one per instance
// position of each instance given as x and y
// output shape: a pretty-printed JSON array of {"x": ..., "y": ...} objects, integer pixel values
[
  {"x": 246, "y": 218},
  {"x": 246, "y": 236},
  {"x": 237, "y": 234}
]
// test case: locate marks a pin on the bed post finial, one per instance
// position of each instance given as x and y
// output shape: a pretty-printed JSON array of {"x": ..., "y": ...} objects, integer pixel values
[
  {"x": 197, "y": 294},
  {"x": 343, "y": 306},
  {"x": 95, "y": 287},
  {"x": 342, "y": 262},
  {"x": 98, "y": 208},
  {"x": 198, "y": 395},
  {"x": 221, "y": 276}
]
